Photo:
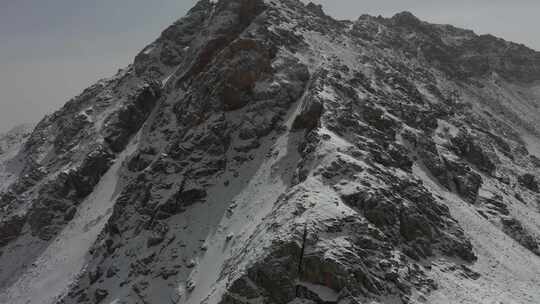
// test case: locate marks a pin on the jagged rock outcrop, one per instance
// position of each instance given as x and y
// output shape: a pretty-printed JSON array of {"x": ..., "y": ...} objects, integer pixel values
[
  {"x": 529, "y": 181},
  {"x": 261, "y": 151}
]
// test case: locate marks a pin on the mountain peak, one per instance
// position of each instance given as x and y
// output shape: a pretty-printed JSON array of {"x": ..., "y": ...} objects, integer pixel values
[
  {"x": 263, "y": 152},
  {"x": 406, "y": 18},
  {"x": 317, "y": 8}
]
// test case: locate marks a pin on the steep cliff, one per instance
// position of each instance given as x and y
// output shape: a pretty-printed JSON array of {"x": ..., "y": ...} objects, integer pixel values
[{"x": 260, "y": 151}]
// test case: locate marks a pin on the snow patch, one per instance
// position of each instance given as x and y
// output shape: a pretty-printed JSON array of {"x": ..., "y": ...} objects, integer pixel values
[{"x": 59, "y": 265}]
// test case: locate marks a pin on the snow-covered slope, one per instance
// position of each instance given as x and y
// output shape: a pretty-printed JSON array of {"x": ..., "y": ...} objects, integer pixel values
[{"x": 263, "y": 152}]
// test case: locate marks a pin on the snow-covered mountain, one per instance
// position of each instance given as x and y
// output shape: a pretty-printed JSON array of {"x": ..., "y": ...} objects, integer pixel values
[{"x": 260, "y": 151}]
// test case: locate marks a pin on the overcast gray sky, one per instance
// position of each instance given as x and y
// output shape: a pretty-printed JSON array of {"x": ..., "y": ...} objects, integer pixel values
[{"x": 51, "y": 50}]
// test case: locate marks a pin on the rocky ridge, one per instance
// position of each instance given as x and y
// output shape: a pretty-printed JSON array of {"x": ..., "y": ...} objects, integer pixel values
[{"x": 261, "y": 151}]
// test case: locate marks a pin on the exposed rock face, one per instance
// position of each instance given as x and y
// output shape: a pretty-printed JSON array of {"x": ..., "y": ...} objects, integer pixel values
[
  {"x": 10, "y": 229},
  {"x": 471, "y": 150},
  {"x": 129, "y": 119},
  {"x": 310, "y": 116},
  {"x": 515, "y": 229},
  {"x": 261, "y": 151},
  {"x": 529, "y": 181}
]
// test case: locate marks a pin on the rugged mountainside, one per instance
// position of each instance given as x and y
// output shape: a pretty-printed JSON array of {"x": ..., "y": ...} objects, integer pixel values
[
  {"x": 260, "y": 151},
  {"x": 10, "y": 143}
]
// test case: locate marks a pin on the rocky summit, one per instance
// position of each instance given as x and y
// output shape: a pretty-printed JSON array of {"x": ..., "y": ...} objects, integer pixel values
[{"x": 260, "y": 151}]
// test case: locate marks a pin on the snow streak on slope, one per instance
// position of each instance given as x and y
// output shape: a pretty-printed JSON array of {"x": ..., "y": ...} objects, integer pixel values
[
  {"x": 58, "y": 266},
  {"x": 251, "y": 205},
  {"x": 509, "y": 272}
]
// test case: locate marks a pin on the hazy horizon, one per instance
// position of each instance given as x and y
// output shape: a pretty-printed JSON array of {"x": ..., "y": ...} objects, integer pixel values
[{"x": 53, "y": 50}]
